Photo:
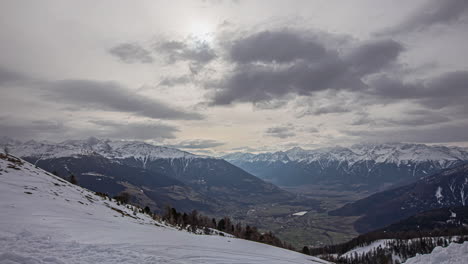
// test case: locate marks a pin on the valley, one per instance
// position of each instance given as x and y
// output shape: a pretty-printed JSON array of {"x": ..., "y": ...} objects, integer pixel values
[{"x": 301, "y": 214}]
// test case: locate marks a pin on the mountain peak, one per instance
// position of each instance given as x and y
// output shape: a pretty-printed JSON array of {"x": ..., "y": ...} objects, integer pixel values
[{"x": 92, "y": 146}]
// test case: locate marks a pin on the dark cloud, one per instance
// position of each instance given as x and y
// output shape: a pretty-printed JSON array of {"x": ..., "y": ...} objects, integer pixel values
[
  {"x": 26, "y": 129},
  {"x": 193, "y": 51},
  {"x": 256, "y": 83},
  {"x": 136, "y": 131},
  {"x": 333, "y": 109},
  {"x": 280, "y": 131},
  {"x": 131, "y": 53},
  {"x": 270, "y": 65},
  {"x": 276, "y": 46},
  {"x": 197, "y": 144},
  {"x": 373, "y": 56},
  {"x": 419, "y": 121},
  {"x": 413, "y": 118},
  {"x": 434, "y": 12},
  {"x": 112, "y": 96},
  {"x": 446, "y": 90},
  {"x": 10, "y": 77},
  {"x": 434, "y": 134}
]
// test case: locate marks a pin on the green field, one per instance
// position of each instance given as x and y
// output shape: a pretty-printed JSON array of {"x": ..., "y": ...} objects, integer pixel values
[{"x": 316, "y": 227}]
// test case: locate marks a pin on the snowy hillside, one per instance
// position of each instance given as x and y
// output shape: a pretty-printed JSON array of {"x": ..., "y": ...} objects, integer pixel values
[
  {"x": 453, "y": 254},
  {"x": 45, "y": 219}
]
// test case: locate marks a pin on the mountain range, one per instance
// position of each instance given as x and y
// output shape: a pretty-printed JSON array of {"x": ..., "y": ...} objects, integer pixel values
[
  {"x": 154, "y": 175},
  {"x": 360, "y": 167}
]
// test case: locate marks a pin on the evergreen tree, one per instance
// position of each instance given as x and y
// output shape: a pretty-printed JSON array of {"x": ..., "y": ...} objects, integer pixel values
[{"x": 73, "y": 180}]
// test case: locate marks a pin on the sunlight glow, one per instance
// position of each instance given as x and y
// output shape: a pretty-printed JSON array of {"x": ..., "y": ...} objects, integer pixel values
[{"x": 202, "y": 31}]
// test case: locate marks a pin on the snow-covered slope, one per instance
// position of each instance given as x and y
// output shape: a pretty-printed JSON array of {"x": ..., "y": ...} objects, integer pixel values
[
  {"x": 453, "y": 254},
  {"x": 44, "y": 219}
]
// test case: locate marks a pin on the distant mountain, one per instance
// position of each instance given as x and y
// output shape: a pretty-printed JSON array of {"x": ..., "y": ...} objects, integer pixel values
[
  {"x": 436, "y": 219},
  {"x": 448, "y": 188},
  {"x": 155, "y": 175},
  {"x": 363, "y": 166}
]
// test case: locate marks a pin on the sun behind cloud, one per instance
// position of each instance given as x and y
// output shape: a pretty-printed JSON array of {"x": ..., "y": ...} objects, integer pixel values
[{"x": 202, "y": 30}]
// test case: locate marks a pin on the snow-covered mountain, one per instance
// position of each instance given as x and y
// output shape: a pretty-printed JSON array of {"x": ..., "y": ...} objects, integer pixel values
[
  {"x": 44, "y": 219},
  {"x": 154, "y": 175},
  {"x": 364, "y": 164},
  {"x": 397, "y": 153},
  {"x": 141, "y": 151}
]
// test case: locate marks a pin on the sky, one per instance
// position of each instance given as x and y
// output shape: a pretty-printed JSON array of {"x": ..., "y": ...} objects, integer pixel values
[{"x": 218, "y": 76}]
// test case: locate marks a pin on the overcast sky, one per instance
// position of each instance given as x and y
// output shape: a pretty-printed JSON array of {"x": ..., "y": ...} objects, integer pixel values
[{"x": 216, "y": 76}]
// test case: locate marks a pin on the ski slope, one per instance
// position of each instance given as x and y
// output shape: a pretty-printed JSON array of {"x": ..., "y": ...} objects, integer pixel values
[{"x": 44, "y": 219}]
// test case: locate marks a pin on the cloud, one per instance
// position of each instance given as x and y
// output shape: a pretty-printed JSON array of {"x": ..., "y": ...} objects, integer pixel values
[
  {"x": 131, "y": 53},
  {"x": 271, "y": 65},
  {"x": 197, "y": 144},
  {"x": 332, "y": 109},
  {"x": 434, "y": 134},
  {"x": 373, "y": 56},
  {"x": 362, "y": 118},
  {"x": 434, "y": 12},
  {"x": 419, "y": 121},
  {"x": 10, "y": 77},
  {"x": 196, "y": 52},
  {"x": 136, "y": 131},
  {"x": 446, "y": 90},
  {"x": 276, "y": 46},
  {"x": 112, "y": 96},
  {"x": 173, "y": 81},
  {"x": 280, "y": 132},
  {"x": 411, "y": 118},
  {"x": 28, "y": 129}
]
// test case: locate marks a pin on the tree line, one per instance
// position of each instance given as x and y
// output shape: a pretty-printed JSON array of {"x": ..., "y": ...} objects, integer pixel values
[
  {"x": 399, "y": 247},
  {"x": 195, "y": 221}
]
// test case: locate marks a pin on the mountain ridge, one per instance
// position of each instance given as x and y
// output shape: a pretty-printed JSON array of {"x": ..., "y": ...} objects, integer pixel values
[
  {"x": 362, "y": 166},
  {"x": 448, "y": 188}
]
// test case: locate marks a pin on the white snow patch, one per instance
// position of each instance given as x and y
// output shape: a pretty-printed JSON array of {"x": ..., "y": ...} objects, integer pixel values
[
  {"x": 365, "y": 249},
  {"x": 453, "y": 254},
  {"x": 439, "y": 195},
  {"x": 300, "y": 213},
  {"x": 453, "y": 214}
]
